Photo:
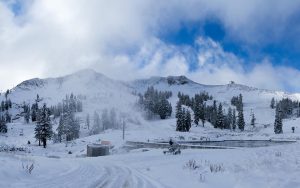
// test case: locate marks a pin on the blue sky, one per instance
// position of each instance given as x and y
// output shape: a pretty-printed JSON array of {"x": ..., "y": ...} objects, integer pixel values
[
  {"x": 252, "y": 42},
  {"x": 283, "y": 51}
]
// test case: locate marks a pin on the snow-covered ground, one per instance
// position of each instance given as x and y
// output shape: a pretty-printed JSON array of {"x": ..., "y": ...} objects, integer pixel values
[{"x": 274, "y": 166}]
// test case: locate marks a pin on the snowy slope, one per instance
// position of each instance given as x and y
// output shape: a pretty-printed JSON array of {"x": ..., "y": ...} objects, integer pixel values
[
  {"x": 256, "y": 100},
  {"x": 102, "y": 92}
]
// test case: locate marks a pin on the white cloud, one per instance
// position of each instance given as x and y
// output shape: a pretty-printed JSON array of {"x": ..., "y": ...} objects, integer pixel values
[{"x": 118, "y": 38}]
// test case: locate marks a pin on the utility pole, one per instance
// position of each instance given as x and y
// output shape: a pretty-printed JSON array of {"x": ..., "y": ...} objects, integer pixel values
[{"x": 123, "y": 129}]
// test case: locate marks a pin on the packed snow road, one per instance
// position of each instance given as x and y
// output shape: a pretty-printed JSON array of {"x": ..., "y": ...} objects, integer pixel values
[{"x": 84, "y": 172}]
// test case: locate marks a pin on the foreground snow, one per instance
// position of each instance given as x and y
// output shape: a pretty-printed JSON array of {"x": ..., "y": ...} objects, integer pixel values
[{"x": 274, "y": 166}]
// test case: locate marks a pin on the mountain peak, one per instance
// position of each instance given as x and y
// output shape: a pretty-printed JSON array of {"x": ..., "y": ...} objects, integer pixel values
[
  {"x": 32, "y": 83},
  {"x": 178, "y": 80}
]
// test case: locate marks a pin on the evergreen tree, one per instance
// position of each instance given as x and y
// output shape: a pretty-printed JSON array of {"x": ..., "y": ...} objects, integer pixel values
[
  {"x": 228, "y": 120},
  {"x": 9, "y": 103},
  {"x": 44, "y": 127},
  {"x": 220, "y": 117},
  {"x": 113, "y": 119},
  {"x": 272, "y": 103},
  {"x": 240, "y": 104},
  {"x": 72, "y": 103},
  {"x": 253, "y": 119},
  {"x": 202, "y": 113},
  {"x": 278, "y": 121},
  {"x": 61, "y": 130},
  {"x": 34, "y": 110},
  {"x": 96, "y": 129},
  {"x": 196, "y": 114},
  {"x": 105, "y": 120},
  {"x": 68, "y": 126},
  {"x": 38, "y": 128},
  {"x": 233, "y": 120},
  {"x": 188, "y": 121},
  {"x": 26, "y": 113},
  {"x": 180, "y": 117},
  {"x": 3, "y": 126},
  {"x": 156, "y": 103},
  {"x": 2, "y": 106},
  {"x": 6, "y": 94},
  {"x": 178, "y": 108},
  {"x": 79, "y": 106},
  {"x": 241, "y": 121},
  {"x": 214, "y": 114},
  {"x": 164, "y": 108},
  {"x": 72, "y": 126},
  {"x": 7, "y": 117}
]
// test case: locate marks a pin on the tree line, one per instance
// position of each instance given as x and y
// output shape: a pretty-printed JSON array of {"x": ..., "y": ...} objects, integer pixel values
[
  {"x": 214, "y": 114},
  {"x": 284, "y": 108},
  {"x": 155, "y": 103},
  {"x": 5, "y": 117},
  {"x": 107, "y": 119}
]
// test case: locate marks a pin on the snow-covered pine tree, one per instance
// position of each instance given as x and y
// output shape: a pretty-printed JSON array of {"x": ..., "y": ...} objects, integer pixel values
[
  {"x": 182, "y": 120},
  {"x": 113, "y": 119},
  {"x": 38, "y": 128},
  {"x": 79, "y": 105},
  {"x": 96, "y": 129},
  {"x": 163, "y": 107},
  {"x": 2, "y": 106},
  {"x": 202, "y": 113},
  {"x": 220, "y": 117},
  {"x": 72, "y": 103},
  {"x": 188, "y": 121},
  {"x": 253, "y": 119},
  {"x": 26, "y": 113},
  {"x": 228, "y": 121},
  {"x": 34, "y": 109},
  {"x": 105, "y": 120},
  {"x": 278, "y": 121},
  {"x": 72, "y": 126},
  {"x": 233, "y": 122},
  {"x": 272, "y": 105},
  {"x": 44, "y": 129},
  {"x": 178, "y": 108},
  {"x": 241, "y": 121},
  {"x": 240, "y": 103},
  {"x": 3, "y": 126},
  {"x": 196, "y": 114},
  {"x": 76, "y": 128},
  {"x": 61, "y": 130},
  {"x": 179, "y": 116},
  {"x": 7, "y": 117},
  {"x": 214, "y": 114},
  {"x": 9, "y": 103}
]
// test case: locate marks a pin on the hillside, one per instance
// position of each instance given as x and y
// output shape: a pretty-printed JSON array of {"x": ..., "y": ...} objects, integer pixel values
[
  {"x": 128, "y": 166},
  {"x": 102, "y": 92}
]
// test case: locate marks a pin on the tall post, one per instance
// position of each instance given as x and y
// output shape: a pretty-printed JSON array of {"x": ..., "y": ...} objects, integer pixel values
[{"x": 123, "y": 129}]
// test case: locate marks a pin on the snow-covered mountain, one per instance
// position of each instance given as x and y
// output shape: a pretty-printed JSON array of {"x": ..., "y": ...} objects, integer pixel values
[
  {"x": 102, "y": 92},
  {"x": 99, "y": 92}
]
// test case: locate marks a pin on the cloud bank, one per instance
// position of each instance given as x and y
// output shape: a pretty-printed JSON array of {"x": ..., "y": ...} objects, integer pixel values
[{"x": 122, "y": 40}]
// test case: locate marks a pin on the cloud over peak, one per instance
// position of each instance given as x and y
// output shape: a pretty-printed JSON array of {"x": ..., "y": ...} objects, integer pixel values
[{"x": 53, "y": 37}]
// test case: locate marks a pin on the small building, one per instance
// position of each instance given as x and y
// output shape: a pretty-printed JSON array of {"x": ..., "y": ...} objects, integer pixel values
[{"x": 95, "y": 150}]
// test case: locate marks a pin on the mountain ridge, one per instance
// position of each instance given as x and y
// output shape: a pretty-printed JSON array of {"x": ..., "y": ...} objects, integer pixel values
[{"x": 170, "y": 80}]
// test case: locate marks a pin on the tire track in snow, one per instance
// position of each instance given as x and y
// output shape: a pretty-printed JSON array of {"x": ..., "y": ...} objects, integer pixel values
[{"x": 90, "y": 174}]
